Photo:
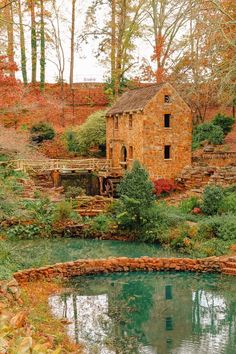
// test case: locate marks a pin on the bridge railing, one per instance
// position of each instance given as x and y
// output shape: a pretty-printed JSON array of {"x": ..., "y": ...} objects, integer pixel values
[{"x": 62, "y": 165}]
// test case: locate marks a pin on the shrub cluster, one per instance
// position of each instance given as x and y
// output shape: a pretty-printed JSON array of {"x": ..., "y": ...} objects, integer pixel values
[
  {"x": 209, "y": 132},
  {"x": 164, "y": 186},
  {"x": 225, "y": 123},
  {"x": 212, "y": 199},
  {"x": 213, "y": 132},
  {"x": 41, "y": 131},
  {"x": 90, "y": 134}
]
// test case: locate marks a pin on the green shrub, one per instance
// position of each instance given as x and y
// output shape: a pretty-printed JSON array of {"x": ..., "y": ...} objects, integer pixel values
[
  {"x": 40, "y": 214},
  {"x": 101, "y": 224},
  {"x": 221, "y": 227},
  {"x": 90, "y": 134},
  {"x": 227, "y": 229},
  {"x": 63, "y": 211},
  {"x": 187, "y": 205},
  {"x": 41, "y": 132},
  {"x": 28, "y": 232},
  {"x": 216, "y": 136},
  {"x": 224, "y": 122},
  {"x": 180, "y": 237},
  {"x": 73, "y": 192},
  {"x": 212, "y": 199},
  {"x": 208, "y": 132},
  {"x": 228, "y": 204},
  {"x": 71, "y": 141},
  {"x": 208, "y": 228},
  {"x": 208, "y": 248}
]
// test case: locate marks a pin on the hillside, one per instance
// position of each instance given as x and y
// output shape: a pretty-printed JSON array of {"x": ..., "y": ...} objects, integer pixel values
[{"x": 230, "y": 140}]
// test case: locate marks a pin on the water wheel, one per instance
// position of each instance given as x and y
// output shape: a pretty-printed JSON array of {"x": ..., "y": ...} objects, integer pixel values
[{"x": 111, "y": 186}]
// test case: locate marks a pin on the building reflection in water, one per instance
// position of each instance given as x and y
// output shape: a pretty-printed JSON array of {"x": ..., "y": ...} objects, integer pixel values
[{"x": 150, "y": 313}]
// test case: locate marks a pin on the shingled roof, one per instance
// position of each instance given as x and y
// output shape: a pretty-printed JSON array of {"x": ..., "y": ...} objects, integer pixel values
[{"x": 134, "y": 100}]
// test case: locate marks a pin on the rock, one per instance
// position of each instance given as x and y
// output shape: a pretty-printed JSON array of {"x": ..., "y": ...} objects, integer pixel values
[{"x": 18, "y": 320}]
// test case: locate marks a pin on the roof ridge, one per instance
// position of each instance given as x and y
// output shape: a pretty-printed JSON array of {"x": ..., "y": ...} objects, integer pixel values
[{"x": 134, "y": 99}]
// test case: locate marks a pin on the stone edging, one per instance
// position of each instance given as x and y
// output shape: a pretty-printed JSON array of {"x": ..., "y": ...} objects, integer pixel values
[{"x": 224, "y": 265}]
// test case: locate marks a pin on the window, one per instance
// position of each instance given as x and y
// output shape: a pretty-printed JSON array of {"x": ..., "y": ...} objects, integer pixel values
[
  {"x": 116, "y": 123},
  {"x": 130, "y": 121},
  {"x": 168, "y": 292},
  {"x": 167, "y": 120},
  {"x": 167, "y": 99},
  {"x": 110, "y": 152},
  {"x": 131, "y": 152},
  {"x": 169, "y": 324},
  {"x": 167, "y": 152}
]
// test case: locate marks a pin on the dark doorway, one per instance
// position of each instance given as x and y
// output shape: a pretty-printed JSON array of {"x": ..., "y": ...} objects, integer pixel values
[{"x": 123, "y": 157}]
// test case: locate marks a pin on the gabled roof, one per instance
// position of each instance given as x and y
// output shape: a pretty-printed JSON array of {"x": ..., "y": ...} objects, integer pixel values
[{"x": 134, "y": 100}]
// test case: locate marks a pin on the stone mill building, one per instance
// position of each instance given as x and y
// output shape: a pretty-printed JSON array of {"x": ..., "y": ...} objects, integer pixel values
[{"x": 152, "y": 124}]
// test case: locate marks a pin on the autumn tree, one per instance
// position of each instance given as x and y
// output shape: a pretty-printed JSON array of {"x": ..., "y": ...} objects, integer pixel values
[
  {"x": 117, "y": 35},
  {"x": 165, "y": 23}
]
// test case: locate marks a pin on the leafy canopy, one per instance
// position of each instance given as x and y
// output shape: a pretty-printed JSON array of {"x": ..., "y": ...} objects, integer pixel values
[{"x": 91, "y": 133}]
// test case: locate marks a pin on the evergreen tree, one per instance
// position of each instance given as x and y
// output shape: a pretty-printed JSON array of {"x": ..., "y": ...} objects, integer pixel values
[{"x": 136, "y": 196}]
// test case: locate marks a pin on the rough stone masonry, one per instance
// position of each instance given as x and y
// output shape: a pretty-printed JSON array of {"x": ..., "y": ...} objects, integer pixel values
[{"x": 224, "y": 265}]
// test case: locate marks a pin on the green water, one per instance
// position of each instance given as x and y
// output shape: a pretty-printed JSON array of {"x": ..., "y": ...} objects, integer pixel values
[
  {"x": 151, "y": 313},
  {"x": 43, "y": 252}
]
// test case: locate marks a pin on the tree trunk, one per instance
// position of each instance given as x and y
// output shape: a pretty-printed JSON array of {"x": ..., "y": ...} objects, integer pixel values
[
  {"x": 22, "y": 46},
  {"x": 33, "y": 42},
  {"x": 72, "y": 46},
  {"x": 122, "y": 19},
  {"x": 113, "y": 40},
  {"x": 42, "y": 47},
  {"x": 10, "y": 35}
]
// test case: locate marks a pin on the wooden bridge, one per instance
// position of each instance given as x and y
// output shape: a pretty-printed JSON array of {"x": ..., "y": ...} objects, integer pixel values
[{"x": 63, "y": 166}]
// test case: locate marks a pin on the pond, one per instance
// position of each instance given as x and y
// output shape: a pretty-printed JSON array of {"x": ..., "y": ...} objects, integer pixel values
[
  {"x": 150, "y": 313},
  {"x": 41, "y": 252}
]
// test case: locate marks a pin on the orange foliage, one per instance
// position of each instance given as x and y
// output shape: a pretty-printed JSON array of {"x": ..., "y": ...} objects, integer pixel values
[
  {"x": 26, "y": 105},
  {"x": 55, "y": 149}
]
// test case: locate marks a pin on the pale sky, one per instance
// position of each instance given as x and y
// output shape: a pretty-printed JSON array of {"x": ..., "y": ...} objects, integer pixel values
[{"x": 87, "y": 66}]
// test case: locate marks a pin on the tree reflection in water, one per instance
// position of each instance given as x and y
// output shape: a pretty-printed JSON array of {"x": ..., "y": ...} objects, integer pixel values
[{"x": 175, "y": 313}]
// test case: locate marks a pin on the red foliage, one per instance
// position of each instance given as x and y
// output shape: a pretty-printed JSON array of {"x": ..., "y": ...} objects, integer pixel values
[
  {"x": 55, "y": 149},
  {"x": 164, "y": 186}
]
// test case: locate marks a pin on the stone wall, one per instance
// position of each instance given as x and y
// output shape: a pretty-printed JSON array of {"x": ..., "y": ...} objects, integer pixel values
[
  {"x": 199, "y": 175},
  {"x": 218, "y": 159},
  {"x": 178, "y": 136},
  {"x": 146, "y": 139},
  {"x": 225, "y": 265}
]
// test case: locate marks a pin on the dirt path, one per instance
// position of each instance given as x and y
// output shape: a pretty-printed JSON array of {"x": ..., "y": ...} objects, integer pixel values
[{"x": 16, "y": 142}]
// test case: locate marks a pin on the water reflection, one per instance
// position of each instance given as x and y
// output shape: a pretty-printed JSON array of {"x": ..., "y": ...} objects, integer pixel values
[{"x": 151, "y": 313}]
